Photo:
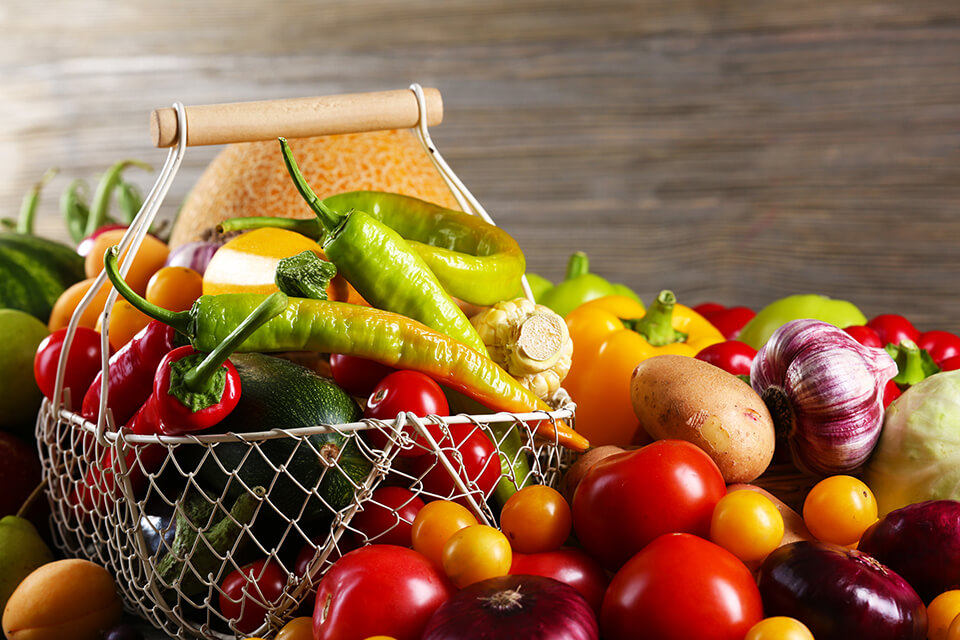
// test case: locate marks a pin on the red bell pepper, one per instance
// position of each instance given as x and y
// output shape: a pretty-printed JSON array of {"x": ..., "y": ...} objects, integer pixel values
[
  {"x": 941, "y": 345},
  {"x": 131, "y": 373},
  {"x": 893, "y": 329},
  {"x": 728, "y": 320},
  {"x": 191, "y": 392},
  {"x": 865, "y": 335}
]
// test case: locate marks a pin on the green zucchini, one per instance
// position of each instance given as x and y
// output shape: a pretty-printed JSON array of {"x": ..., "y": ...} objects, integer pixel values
[
  {"x": 276, "y": 393},
  {"x": 34, "y": 271}
]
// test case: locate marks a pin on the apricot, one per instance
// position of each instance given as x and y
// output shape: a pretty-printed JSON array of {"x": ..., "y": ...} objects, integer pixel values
[{"x": 70, "y": 598}]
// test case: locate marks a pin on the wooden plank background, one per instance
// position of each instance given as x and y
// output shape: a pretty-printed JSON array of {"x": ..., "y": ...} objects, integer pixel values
[{"x": 736, "y": 151}]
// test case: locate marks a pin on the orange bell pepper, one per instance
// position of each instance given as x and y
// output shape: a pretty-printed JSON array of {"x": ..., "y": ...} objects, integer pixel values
[{"x": 611, "y": 336}]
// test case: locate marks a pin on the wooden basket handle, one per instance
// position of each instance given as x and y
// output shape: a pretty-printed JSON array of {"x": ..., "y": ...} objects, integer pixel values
[{"x": 295, "y": 117}]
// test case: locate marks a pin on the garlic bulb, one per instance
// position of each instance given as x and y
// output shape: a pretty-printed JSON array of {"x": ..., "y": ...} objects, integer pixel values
[{"x": 825, "y": 393}]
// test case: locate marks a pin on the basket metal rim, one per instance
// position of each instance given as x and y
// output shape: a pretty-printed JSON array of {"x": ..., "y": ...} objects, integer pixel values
[{"x": 565, "y": 412}]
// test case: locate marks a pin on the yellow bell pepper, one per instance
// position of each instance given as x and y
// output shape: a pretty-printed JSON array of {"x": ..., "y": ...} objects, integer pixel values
[{"x": 611, "y": 336}]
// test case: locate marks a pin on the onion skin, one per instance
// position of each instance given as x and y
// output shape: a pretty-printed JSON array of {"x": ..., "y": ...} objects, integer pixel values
[
  {"x": 840, "y": 593},
  {"x": 825, "y": 394},
  {"x": 515, "y": 606},
  {"x": 193, "y": 255},
  {"x": 921, "y": 542}
]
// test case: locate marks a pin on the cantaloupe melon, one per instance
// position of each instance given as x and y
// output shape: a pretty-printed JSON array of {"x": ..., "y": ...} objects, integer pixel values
[{"x": 250, "y": 179}]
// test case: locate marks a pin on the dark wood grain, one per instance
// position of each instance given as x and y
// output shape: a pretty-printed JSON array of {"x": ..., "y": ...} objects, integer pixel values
[{"x": 732, "y": 151}]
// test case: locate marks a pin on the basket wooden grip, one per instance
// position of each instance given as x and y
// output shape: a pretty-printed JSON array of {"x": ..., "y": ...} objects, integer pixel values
[{"x": 295, "y": 117}]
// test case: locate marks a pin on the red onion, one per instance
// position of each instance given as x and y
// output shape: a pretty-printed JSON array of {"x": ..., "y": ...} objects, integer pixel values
[
  {"x": 825, "y": 394},
  {"x": 840, "y": 593},
  {"x": 194, "y": 255},
  {"x": 921, "y": 542},
  {"x": 516, "y": 606}
]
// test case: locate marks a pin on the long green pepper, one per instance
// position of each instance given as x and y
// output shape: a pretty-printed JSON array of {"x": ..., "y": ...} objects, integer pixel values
[
  {"x": 474, "y": 261},
  {"x": 338, "y": 327},
  {"x": 382, "y": 267}
]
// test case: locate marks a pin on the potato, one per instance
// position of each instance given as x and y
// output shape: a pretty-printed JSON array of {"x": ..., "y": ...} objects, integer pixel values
[
  {"x": 682, "y": 398},
  {"x": 71, "y": 598}
]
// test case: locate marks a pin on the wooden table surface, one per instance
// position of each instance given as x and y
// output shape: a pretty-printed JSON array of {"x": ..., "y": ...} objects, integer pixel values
[{"x": 736, "y": 151}]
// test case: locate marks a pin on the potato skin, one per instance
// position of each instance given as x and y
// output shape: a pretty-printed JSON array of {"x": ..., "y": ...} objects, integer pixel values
[{"x": 679, "y": 397}]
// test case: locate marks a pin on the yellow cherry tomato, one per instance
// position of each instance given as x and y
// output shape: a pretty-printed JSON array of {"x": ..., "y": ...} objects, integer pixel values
[
  {"x": 941, "y": 612},
  {"x": 536, "y": 518},
  {"x": 779, "y": 628},
  {"x": 434, "y": 524},
  {"x": 126, "y": 321},
  {"x": 150, "y": 257},
  {"x": 476, "y": 553},
  {"x": 174, "y": 288},
  {"x": 300, "y": 628},
  {"x": 839, "y": 509},
  {"x": 747, "y": 524}
]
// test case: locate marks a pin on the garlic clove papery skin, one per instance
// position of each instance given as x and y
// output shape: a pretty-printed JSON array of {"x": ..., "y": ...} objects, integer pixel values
[{"x": 825, "y": 393}]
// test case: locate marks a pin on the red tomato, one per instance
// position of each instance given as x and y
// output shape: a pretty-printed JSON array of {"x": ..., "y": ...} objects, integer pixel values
[
  {"x": 388, "y": 517},
  {"x": 83, "y": 363},
  {"x": 567, "y": 564},
  {"x": 680, "y": 587},
  {"x": 864, "y": 335},
  {"x": 626, "y": 500},
  {"x": 480, "y": 464},
  {"x": 379, "y": 589},
  {"x": 246, "y": 590},
  {"x": 941, "y": 345},
  {"x": 357, "y": 376},
  {"x": 732, "y": 356},
  {"x": 406, "y": 391},
  {"x": 893, "y": 328}
]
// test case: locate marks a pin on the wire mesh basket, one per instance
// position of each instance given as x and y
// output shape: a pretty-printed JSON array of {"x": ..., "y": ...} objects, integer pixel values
[{"x": 171, "y": 517}]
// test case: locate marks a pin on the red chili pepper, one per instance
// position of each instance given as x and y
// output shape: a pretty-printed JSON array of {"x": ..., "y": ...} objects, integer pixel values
[
  {"x": 941, "y": 345},
  {"x": 191, "y": 391},
  {"x": 131, "y": 374},
  {"x": 732, "y": 356},
  {"x": 893, "y": 329},
  {"x": 728, "y": 320},
  {"x": 864, "y": 335}
]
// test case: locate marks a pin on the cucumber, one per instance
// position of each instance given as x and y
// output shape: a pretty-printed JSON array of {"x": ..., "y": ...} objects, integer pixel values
[
  {"x": 34, "y": 271},
  {"x": 276, "y": 393}
]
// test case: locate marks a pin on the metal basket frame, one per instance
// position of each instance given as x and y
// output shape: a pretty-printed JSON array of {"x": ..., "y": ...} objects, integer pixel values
[{"x": 114, "y": 531}]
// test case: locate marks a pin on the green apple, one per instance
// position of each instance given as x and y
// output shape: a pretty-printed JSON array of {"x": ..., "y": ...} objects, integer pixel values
[
  {"x": 21, "y": 551},
  {"x": 20, "y": 396}
]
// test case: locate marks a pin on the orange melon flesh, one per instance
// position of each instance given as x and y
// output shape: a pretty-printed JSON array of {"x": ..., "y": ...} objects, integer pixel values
[{"x": 250, "y": 179}]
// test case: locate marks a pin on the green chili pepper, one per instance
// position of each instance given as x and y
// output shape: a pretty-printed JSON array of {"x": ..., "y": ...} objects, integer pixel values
[
  {"x": 101, "y": 197},
  {"x": 382, "y": 267},
  {"x": 581, "y": 286},
  {"x": 28, "y": 206},
  {"x": 776, "y": 314},
  {"x": 475, "y": 261},
  {"x": 325, "y": 326},
  {"x": 74, "y": 208}
]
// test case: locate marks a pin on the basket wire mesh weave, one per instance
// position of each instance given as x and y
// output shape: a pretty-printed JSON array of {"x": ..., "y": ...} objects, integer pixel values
[{"x": 170, "y": 536}]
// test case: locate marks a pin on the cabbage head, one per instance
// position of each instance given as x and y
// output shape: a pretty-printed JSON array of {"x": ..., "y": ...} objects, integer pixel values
[{"x": 918, "y": 455}]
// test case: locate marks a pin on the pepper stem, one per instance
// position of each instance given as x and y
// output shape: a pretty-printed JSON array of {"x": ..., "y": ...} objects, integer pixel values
[
  {"x": 578, "y": 265},
  {"x": 657, "y": 323},
  {"x": 913, "y": 363},
  {"x": 28, "y": 207},
  {"x": 101, "y": 197},
  {"x": 199, "y": 378},
  {"x": 182, "y": 321},
  {"x": 309, "y": 227},
  {"x": 74, "y": 209},
  {"x": 329, "y": 218}
]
